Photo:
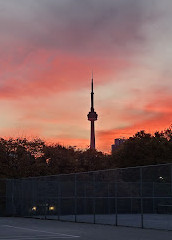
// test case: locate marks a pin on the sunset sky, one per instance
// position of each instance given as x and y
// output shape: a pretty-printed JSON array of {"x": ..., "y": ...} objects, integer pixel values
[{"x": 48, "y": 49}]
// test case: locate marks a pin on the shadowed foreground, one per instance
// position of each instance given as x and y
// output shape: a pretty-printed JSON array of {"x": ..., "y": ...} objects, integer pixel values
[{"x": 22, "y": 228}]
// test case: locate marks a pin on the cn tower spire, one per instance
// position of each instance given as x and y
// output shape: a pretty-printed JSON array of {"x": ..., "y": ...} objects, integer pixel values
[
  {"x": 92, "y": 95},
  {"x": 92, "y": 116}
]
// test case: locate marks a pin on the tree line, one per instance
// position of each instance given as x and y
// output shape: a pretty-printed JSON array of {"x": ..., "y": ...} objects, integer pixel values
[{"x": 27, "y": 158}]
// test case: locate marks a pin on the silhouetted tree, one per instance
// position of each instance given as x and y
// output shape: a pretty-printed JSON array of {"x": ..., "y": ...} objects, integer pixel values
[
  {"x": 24, "y": 158},
  {"x": 18, "y": 157},
  {"x": 59, "y": 159},
  {"x": 144, "y": 149},
  {"x": 91, "y": 160}
]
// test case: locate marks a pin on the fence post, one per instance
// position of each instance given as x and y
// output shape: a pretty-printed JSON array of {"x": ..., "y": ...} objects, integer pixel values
[
  {"x": 116, "y": 202},
  {"x": 75, "y": 198},
  {"x": 94, "y": 200},
  {"x": 171, "y": 178},
  {"x": 22, "y": 198},
  {"x": 45, "y": 198},
  {"x": 141, "y": 195},
  {"x": 12, "y": 196},
  {"x": 108, "y": 197},
  {"x": 58, "y": 198},
  {"x": 153, "y": 195}
]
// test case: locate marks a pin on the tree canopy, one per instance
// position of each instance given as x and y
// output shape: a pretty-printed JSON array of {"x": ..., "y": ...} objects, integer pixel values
[
  {"x": 144, "y": 149},
  {"x": 24, "y": 158}
]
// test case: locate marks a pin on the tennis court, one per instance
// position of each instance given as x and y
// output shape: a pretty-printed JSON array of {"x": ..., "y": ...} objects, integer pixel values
[
  {"x": 152, "y": 221},
  {"x": 35, "y": 229}
]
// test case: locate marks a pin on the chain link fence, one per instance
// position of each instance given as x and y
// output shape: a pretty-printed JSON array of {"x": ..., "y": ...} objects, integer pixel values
[
  {"x": 137, "y": 197},
  {"x": 2, "y": 197}
]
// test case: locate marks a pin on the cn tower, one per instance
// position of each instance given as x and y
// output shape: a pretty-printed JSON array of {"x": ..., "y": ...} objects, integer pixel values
[{"x": 92, "y": 116}]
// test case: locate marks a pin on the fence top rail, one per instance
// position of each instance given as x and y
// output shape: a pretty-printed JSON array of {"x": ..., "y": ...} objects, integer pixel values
[{"x": 92, "y": 172}]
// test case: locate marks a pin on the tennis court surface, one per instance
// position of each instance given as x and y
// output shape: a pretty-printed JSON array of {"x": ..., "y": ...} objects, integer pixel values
[{"x": 35, "y": 229}]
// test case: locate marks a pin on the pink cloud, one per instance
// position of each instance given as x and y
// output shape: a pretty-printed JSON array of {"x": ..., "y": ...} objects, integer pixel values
[{"x": 43, "y": 72}]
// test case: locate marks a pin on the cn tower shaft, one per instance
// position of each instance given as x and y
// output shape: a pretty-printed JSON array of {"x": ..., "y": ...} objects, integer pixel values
[
  {"x": 92, "y": 116},
  {"x": 92, "y": 139}
]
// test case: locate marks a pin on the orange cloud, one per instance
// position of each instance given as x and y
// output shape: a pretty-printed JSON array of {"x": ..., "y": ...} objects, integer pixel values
[{"x": 159, "y": 117}]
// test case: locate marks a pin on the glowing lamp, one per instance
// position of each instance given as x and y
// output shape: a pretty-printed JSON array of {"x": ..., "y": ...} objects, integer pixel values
[
  {"x": 34, "y": 208},
  {"x": 51, "y": 208}
]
